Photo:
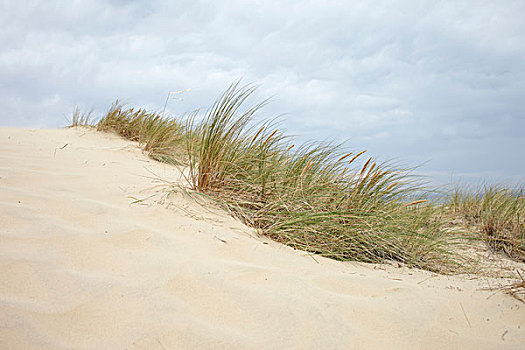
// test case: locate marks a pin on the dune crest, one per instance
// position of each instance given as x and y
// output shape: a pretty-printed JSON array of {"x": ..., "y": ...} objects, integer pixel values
[{"x": 91, "y": 258}]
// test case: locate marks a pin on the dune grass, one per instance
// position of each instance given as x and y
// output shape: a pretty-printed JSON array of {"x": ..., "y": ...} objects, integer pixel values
[
  {"x": 499, "y": 214},
  {"x": 160, "y": 137},
  {"x": 80, "y": 118},
  {"x": 317, "y": 197}
]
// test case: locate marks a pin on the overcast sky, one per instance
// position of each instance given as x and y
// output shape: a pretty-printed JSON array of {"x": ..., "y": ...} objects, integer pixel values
[{"x": 441, "y": 82}]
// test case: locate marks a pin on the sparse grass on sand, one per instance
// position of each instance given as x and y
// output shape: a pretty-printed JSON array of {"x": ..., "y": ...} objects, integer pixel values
[
  {"x": 498, "y": 213},
  {"x": 80, "y": 119},
  {"x": 316, "y": 197}
]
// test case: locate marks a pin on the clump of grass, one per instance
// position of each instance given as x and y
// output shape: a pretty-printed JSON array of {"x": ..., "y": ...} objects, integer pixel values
[
  {"x": 80, "y": 118},
  {"x": 217, "y": 146},
  {"x": 317, "y": 197},
  {"x": 498, "y": 212},
  {"x": 160, "y": 137}
]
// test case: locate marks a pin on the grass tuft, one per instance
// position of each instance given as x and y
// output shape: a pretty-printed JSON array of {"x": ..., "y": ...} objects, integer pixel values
[
  {"x": 499, "y": 214},
  {"x": 315, "y": 197},
  {"x": 160, "y": 137},
  {"x": 80, "y": 119}
]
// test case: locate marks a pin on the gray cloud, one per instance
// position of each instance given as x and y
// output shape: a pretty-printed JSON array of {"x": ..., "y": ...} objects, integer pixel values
[{"x": 420, "y": 81}]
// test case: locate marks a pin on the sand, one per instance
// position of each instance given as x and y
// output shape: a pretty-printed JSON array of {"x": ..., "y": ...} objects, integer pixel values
[{"x": 94, "y": 256}]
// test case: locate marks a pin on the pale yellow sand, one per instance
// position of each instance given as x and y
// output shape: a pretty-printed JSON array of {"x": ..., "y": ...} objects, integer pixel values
[{"x": 82, "y": 267}]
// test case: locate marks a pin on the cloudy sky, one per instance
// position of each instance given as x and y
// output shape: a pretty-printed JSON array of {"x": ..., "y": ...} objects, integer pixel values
[{"x": 438, "y": 83}]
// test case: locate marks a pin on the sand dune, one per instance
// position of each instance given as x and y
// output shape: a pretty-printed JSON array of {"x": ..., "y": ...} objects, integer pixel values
[{"x": 84, "y": 265}]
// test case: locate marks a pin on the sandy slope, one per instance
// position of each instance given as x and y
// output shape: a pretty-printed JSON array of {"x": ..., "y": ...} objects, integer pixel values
[{"x": 81, "y": 266}]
